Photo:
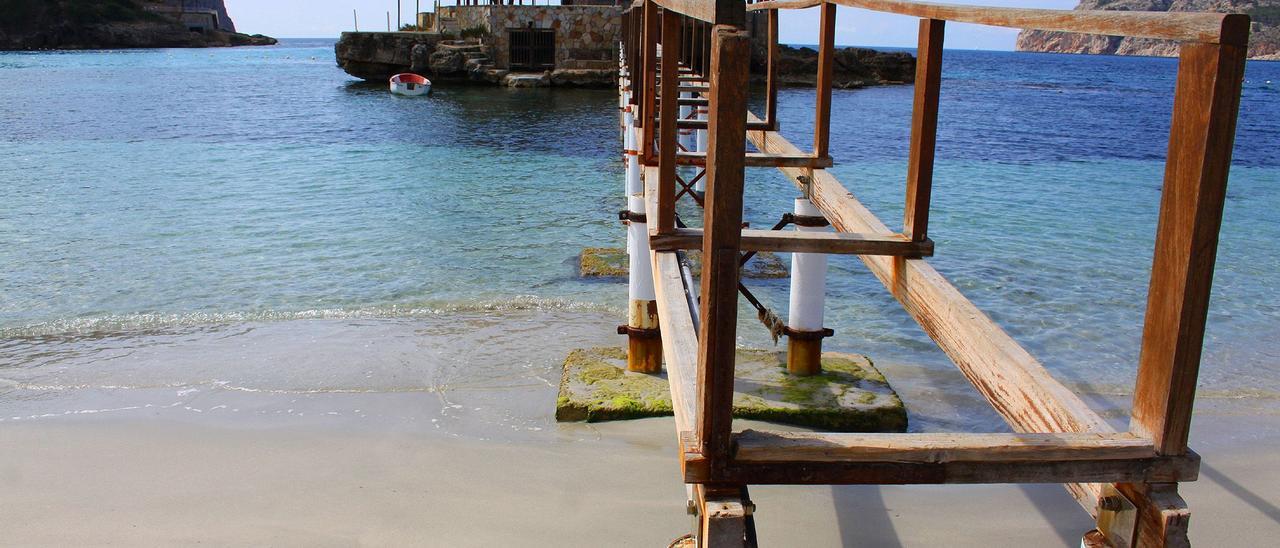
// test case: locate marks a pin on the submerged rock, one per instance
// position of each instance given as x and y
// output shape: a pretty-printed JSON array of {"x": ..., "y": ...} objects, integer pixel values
[{"x": 849, "y": 396}]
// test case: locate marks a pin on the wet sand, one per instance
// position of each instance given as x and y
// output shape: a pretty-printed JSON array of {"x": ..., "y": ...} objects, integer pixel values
[{"x": 432, "y": 432}]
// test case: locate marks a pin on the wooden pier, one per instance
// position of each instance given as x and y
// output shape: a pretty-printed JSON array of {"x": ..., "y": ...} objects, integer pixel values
[{"x": 1127, "y": 479}]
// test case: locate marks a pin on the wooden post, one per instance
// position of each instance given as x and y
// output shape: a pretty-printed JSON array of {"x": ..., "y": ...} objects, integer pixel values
[
  {"x": 771, "y": 86},
  {"x": 668, "y": 113},
  {"x": 650, "y": 78},
  {"x": 1205, "y": 107},
  {"x": 924, "y": 129},
  {"x": 355, "y": 18},
  {"x": 826, "y": 66},
  {"x": 722, "y": 240},
  {"x": 722, "y": 516}
]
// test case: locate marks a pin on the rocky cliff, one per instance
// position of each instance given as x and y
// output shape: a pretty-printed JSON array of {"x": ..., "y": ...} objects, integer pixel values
[
  {"x": 107, "y": 24},
  {"x": 1264, "y": 44}
]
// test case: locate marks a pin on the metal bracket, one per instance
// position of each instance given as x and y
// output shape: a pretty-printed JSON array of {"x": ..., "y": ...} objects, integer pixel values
[
  {"x": 639, "y": 333},
  {"x": 808, "y": 335},
  {"x": 1117, "y": 517},
  {"x": 627, "y": 215}
]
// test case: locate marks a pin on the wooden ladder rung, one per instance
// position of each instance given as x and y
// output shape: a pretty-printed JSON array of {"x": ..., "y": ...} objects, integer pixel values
[
  {"x": 758, "y": 159},
  {"x": 788, "y": 241}
]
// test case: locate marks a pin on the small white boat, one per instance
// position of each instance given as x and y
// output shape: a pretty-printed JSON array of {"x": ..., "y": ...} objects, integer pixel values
[{"x": 410, "y": 84}]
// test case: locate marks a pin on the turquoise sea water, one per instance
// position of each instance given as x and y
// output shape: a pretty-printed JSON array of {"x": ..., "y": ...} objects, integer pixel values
[{"x": 143, "y": 193}]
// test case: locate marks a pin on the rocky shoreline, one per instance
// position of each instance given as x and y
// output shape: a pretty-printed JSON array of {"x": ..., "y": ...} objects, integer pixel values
[
  {"x": 376, "y": 56},
  {"x": 120, "y": 24},
  {"x": 1264, "y": 44}
]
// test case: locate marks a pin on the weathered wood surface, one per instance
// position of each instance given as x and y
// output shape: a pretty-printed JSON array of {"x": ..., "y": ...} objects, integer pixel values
[
  {"x": 1074, "y": 471},
  {"x": 837, "y": 243},
  {"x": 1209, "y": 28},
  {"x": 665, "y": 222},
  {"x": 1163, "y": 515},
  {"x": 1013, "y": 381},
  {"x": 753, "y": 446},
  {"x": 826, "y": 68},
  {"x": 924, "y": 129},
  {"x": 760, "y": 159},
  {"x": 730, "y": 49},
  {"x": 679, "y": 340},
  {"x": 723, "y": 517},
  {"x": 1201, "y": 139},
  {"x": 720, "y": 12}
]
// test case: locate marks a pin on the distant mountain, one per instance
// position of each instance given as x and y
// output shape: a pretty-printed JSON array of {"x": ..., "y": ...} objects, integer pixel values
[
  {"x": 111, "y": 24},
  {"x": 1264, "y": 44}
]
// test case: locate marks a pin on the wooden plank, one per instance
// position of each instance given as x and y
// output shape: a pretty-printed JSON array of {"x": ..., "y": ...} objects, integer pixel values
[
  {"x": 1013, "y": 381},
  {"x": 1200, "y": 144},
  {"x": 1159, "y": 469},
  {"x": 754, "y": 446},
  {"x": 1209, "y": 28},
  {"x": 836, "y": 243},
  {"x": 924, "y": 129},
  {"x": 665, "y": 222},
  {"x": 730, "y": 55},
  {"x": 721, "y": 12},
  {"x": 679, "y": 338},
  {"x": 759, "y": 159},
  {"x": 826, "y": 68}
]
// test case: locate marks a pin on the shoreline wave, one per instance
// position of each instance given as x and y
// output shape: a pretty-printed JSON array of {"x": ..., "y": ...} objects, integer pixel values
[{"x": 147, "y": 321}]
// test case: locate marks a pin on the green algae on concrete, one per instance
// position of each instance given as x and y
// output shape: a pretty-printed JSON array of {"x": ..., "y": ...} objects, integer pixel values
[
  {"x": 849, "y": 396},
  {"x": 612, "y": 262}
]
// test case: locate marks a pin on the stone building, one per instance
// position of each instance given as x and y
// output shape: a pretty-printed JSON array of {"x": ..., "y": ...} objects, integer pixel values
[{"x": 575, "y": 35}]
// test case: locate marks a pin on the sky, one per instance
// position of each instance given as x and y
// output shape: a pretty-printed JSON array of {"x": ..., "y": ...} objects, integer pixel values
[{"x": 854, "y": 27}]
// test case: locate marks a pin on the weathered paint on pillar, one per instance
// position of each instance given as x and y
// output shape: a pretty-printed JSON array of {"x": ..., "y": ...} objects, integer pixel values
[
  {"x": 808, "y": 299},
  {"x": 644, "y": 349}
]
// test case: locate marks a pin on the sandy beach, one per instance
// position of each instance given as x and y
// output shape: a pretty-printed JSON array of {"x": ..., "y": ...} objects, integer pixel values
[
  {"x": 89, "y": 481},
  {"x": 366, "y": 432}
]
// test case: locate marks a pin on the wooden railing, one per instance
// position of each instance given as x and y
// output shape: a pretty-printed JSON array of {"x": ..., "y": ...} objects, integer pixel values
[{"x": 1059, "y": 438}]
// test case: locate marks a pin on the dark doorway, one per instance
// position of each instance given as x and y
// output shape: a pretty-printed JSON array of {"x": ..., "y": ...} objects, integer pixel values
[{"x": 533, "y": 49}]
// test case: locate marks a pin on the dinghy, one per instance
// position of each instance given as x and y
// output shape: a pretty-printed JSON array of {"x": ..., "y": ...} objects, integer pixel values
[{"x": 410, "y": 84}]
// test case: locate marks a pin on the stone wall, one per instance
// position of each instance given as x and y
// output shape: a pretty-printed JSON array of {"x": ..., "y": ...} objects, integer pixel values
[{"x": 586, "y": 36}]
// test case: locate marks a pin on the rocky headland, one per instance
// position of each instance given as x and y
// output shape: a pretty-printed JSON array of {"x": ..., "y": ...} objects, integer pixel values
[
  {"x": 113, "y": 24},
  {"x": 1263, "y": 44}
]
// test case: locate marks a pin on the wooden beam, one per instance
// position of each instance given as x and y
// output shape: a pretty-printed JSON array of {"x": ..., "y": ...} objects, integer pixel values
[
  {"x": 679, "y": 338},
  {"x": 924, "y": 129},
  {"x": 1159, "y": 469},
  {"x": 649, "y": 78},
  {"x": 1163, "y": 515},
  {"x": 1209, "y": 28},
  {"x": 836, "y": 243},
  {"x": 826, "y": 68},
  {"x": 1013, "y": 381},
  {"x": 668, "y": 113},
  {"x": 760, "y": 159},
  {"x": 753, "y": 446},
  {"x": 730, "y": 56},
  {"x": 720, "y": 12},
  {"x": 1195, "y": 186},
  {"x": 771, "y": 71}
]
